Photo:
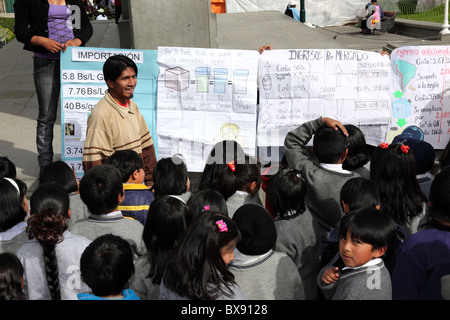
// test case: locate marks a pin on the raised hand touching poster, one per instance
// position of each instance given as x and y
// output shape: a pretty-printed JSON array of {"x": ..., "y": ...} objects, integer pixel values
[
  {"x": 205, "y": 96},
  {"x": 296, "y": 86},
  {"x": 420, "y": 94}
]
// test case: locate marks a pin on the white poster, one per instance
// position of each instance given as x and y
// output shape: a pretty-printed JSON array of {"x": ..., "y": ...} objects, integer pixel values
[
  {"x": 205, "y": 96},
  {"x": 420, "y": 93},
  {"x": 296, "y": 86}
]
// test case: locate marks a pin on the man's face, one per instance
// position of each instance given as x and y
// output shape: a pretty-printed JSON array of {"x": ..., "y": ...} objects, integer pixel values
[{"x": 123, "y": 88}]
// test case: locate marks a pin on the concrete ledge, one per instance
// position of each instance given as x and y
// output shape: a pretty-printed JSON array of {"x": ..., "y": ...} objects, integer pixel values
[{"x": 417, "y": 28}]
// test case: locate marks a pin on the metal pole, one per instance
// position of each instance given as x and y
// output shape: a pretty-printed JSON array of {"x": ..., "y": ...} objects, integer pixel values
[
  {"x": 445, "y": 26},
  {"x": 302, "y": 10}
]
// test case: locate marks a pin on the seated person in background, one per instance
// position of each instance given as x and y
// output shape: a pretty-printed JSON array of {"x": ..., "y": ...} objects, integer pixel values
[
  {"x": 374, "y": 17},
  {"x": 292, "y": 11}
]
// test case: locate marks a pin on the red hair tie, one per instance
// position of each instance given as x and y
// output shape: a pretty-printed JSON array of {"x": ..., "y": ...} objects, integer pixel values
[
  {"x": 231, "y": 166},
  {"x": 405, "y": 149},
  {"x": 384, "y": 145}
]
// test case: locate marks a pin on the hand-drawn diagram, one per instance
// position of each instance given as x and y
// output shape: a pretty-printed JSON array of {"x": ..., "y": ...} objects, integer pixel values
[
  {"x": 405, "y": 70},
  {"x": 205, "y": 95},
  {"x": 220, "y": 80},
  {"x": 420, "y": 93},
  {"x": 230, "y": 131},
  {"x": 301, "y": 85},
  {"x": 202, "y": 74},
  {"x": 177, "y": 78}
]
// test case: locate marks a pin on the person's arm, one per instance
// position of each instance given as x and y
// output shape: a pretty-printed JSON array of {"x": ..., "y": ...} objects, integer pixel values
[
  {"x": 149, "y": 158},
  {"x": 297, "y": 155},
  {"x": 21, "y": 22}
]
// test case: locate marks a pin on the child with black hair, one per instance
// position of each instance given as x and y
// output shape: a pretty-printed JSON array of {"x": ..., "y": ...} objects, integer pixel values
[
  {"x": 424, "y": 257},
  {"x": 60, "y": 172},
  {"x": 170, "y": 177},
  {"x": 393, "y": 170},
  {"x": 424, "y": 156},
  {"x": 7, "y": 168},
  {"x": 356, "y": 193},
  {"x": 13, "y": 212},
  {"x": 11, "y": 277},
  {"x": 358, "y": 156},
  {"x": 198, "y": 268},
  {"x": 101, "y": 189},
  {"x": 321, "y": 169},
  {"x": 138, "y": 197},
  {"x": 207, "y": 199},
  {"x": 106, "y": 266},
  {"x": 365, "y": 237},
  {"x": 298, "y": 231},
  {"x": 168, "y": 219},
  {"x": 51, "y": 257},
  {"x": 220, "y": 155},
  {"x": 239, "y": 183},
  {"x": 261, "y": 272}
]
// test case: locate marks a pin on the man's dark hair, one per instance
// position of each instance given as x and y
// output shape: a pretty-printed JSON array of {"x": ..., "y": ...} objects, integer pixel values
[{"x": 115, "y": 65}]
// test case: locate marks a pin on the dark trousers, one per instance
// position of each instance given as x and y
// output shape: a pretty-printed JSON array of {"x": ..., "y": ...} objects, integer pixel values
[{"x": 47, "y": 83}]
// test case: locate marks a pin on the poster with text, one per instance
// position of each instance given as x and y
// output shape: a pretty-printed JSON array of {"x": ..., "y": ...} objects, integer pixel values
[
  {"x": 205, "y": 96},
  {"x": 83, "y": 85},
  {"x": 296, "y": 86},
  {"x": 420, "y": 94}
]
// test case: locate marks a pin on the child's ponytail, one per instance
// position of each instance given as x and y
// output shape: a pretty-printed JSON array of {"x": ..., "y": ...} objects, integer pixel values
[{"x": 47, "y": 223}]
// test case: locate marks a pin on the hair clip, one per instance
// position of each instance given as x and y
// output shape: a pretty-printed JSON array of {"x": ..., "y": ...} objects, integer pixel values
[
  {"x": 222, "y": 226},
  {"x": 205, "y": 208},
  {"x": 384, "y": 145},
  {"x": 231, "y": 166},
  {"x": 405, "y": 149}
]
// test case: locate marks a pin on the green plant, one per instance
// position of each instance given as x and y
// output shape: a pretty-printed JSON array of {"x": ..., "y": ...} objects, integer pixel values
[{"x": 6, "y": 28}]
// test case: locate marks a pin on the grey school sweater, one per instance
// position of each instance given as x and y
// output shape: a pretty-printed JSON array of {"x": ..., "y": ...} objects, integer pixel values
[
  {"x": 323, "y": 185},
  {"x": 298, "y": 237},
  {"x": 363, "y": 283},
  {"x": 272, "y": 277},
  {"x": 115, "y": 223}
]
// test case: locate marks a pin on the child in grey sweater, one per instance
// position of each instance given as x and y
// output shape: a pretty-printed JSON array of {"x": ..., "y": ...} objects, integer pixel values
[
  {"x": 322, "y": 169},
  {"x": 261, "y": 272},
  {"x": 102, "y": 191},
  {"x": 358, "y": 272},
  {"x": 297, "y": 230}
]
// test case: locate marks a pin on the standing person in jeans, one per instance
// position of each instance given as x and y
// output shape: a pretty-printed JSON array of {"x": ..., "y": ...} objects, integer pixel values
[{"x": 48, "y": 27}]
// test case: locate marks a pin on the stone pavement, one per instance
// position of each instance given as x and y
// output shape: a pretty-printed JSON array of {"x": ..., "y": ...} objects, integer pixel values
[{"x": 247, "y": 31}]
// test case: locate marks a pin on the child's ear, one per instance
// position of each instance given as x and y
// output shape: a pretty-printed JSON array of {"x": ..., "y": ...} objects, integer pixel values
[
  {"x": 377, "y": 253},
  {"x": 345, "y": 207},
  {"x": 122, "y": 196},
  {"x": 135, "y": 174}
]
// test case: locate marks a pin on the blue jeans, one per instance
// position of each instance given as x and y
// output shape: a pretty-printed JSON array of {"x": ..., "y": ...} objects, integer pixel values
[{"x": 46, "y": 74}]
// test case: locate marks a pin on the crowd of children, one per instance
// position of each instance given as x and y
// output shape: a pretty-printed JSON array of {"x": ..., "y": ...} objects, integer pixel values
[{"x": 341, "y": 221}]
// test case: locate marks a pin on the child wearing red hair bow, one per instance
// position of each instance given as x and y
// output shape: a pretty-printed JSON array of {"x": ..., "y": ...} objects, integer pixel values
[
  {"x": 393, "y": 170},
  {"x": 239, "y": 183}
]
